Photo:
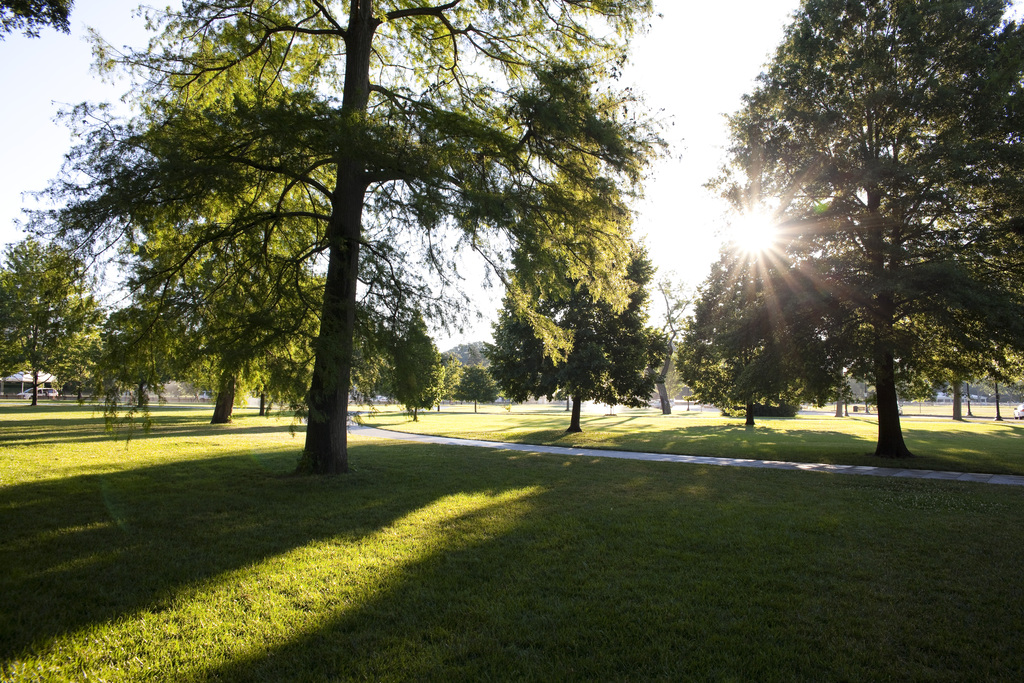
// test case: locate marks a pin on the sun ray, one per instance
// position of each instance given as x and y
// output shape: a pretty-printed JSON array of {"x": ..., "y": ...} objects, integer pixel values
[{"x": 753, "y": 232}]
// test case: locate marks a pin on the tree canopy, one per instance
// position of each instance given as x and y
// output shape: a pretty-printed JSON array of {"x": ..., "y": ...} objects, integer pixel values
[
  {"x": 31, "y": 15},
  {"x": 48, "y": 312},
  {"x": 676, "y": 298},
  {"x": 885, "y": 138},
  {"x": 371, "y": 143},
  {"x": 476, "y": 385},
  {"x": 733, "y": 351},
  {"x": 416, "y": 367},
  {"x": 613, "y": 357},
  {"x": 470, "y": 354}
]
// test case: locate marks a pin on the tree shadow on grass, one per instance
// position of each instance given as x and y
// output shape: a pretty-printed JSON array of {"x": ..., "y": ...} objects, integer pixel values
[
  {"x": 472, "y": 599},
  {"x": 993, "y": 449},
  {"x": 634, "y": 571},
  {"x": 623, "y": 579},
  {"x": 730, "y": 440},
  {"x": 994, "y": 452},
  {"x": 59, "y": 432},
  {"x": 89, "y": 549}
]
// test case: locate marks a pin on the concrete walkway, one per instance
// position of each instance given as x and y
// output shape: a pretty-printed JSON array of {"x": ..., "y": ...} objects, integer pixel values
[{"x": 1007, "y": 479}]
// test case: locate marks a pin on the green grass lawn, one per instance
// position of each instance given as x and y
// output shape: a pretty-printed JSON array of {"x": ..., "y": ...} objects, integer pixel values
[
  {"x": 939, "y": 444},
  {"x": 193, "y": 553}
]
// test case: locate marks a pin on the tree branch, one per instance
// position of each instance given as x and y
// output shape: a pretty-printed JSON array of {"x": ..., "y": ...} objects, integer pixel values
[{"x": 422, "y": 11}]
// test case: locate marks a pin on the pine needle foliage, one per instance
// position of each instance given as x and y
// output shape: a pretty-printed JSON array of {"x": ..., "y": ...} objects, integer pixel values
[{"x": 370, "y": 143}]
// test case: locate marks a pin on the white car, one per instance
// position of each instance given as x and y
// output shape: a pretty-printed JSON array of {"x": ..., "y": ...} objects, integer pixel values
[
  {"x": 1018, "y": 412},
  {"x": 41, "y": 393}
]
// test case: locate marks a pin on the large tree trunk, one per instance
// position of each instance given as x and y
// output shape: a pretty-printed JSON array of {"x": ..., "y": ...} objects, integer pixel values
[
  {"x": 225, "y": 401},
  {"x": 883, "y": 318},
  {"x": 574, "y": 421},
  {"x": 263, "y": 404},
  {"x": 666, "y": 404},
  {"x": 958, "y": 411},
  {"x": 749, "y": 414},
  {"x": 35, "y": 387},
  {"x": 999, "y": 417},
  {"x": 890, "y": 434},
  {"x": 326, "y": 450}
]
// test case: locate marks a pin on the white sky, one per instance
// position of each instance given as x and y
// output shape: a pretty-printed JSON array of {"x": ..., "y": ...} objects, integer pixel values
[{"x": 693, "y": 66}]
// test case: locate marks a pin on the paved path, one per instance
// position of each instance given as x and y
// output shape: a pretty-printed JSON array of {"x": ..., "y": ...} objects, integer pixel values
[{"x": 1008, "y": 479}]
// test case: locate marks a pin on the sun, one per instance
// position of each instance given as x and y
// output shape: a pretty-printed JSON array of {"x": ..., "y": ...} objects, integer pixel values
[{"x": 753, "y": 231}]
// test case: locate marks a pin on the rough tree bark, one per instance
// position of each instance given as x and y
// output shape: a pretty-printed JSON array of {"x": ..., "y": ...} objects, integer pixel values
[
  {"x": 574, "y": 421},
  {"x": 225, "y": 402},
  {"x": 666, "y": 404},
  {"x": 326, "y": 448},
  {"x": 890, "y": 435},
  {"x": 958, "y": 412},
  {"x": 671, "y": 311},
  {"x": 883, "y": 318}
]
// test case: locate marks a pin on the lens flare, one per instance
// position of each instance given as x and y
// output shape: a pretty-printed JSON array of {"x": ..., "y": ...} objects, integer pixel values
[{"x": 753, "y": 232}]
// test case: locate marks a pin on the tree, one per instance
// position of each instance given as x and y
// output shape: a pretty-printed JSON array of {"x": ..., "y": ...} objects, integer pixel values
[
  {"x": 453, "y": 369},
  {"x": 417, "y": 369},
  {"x": 886, "y": 135},
  {"x": 676, "y": 299},
  {"x": 78, "y": 359},
  {"x": 477, "y": 385},
  {"x": 370, "y": 141},
  {"x": 955, "y": 359},
  {"x": 31, "y": 15},
  {"x": 139, "y": 356},
  {"x": 227, "y": 328},
  {"x": 732, "y": 352},
  {"x": 470, "y": 354},
  {"x": 1005, "y": 368},
  {"x": 46, "y": 306},
  {"x": 613, "y": 357}
]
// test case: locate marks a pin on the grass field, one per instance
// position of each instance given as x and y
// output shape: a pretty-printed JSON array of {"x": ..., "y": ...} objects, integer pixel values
[
  {"x": 193, "y": 553},
  {"x": 939, "y": 443}
]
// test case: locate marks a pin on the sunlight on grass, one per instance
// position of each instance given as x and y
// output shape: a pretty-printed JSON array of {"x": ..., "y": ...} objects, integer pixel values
[
  {"x": 251, "y": 611},
  {"x": 195, "y": 554},
  {"x": 938, "y": 444}
]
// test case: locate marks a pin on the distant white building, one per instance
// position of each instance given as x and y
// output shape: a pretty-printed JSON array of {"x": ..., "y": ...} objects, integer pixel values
[{"x": 24, "y": 381}]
